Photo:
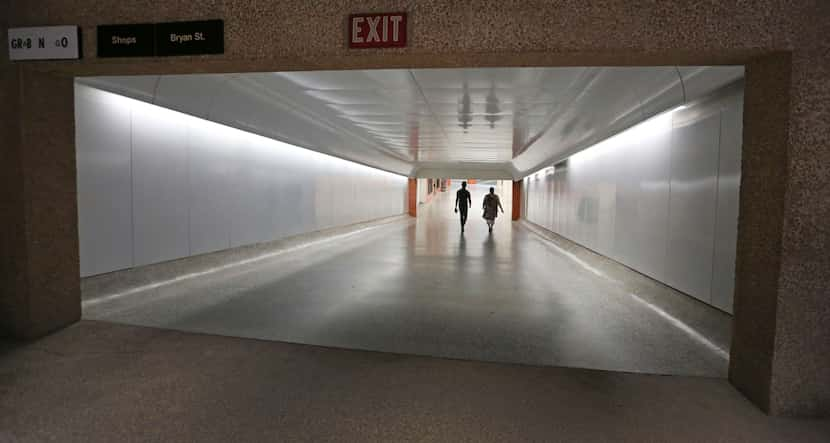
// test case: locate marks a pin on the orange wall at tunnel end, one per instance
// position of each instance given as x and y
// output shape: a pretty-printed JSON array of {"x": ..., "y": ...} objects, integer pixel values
[
  {"x": 517, "y": 199},
  {"x": 412, "y": 192}
]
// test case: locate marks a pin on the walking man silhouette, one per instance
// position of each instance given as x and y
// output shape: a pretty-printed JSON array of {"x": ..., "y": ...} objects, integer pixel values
[{"x": 463, "y": 201}]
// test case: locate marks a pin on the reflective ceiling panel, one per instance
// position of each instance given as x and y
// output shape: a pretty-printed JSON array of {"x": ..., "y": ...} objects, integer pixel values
[{"x": 495, "y": 122}]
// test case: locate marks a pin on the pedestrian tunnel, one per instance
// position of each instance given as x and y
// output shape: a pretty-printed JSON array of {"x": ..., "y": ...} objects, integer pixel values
[{"x": 278, "y": 206}]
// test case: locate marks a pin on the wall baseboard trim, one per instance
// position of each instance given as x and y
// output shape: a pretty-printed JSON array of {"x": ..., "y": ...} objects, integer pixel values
[
  {"x": 104, "y": 287},
  {"x": 711, "y": 322}
]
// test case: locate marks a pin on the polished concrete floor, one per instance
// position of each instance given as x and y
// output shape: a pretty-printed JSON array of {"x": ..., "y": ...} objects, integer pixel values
[
  {"x": 421, "y": 287},
  {"x": 105, "y": 382}
]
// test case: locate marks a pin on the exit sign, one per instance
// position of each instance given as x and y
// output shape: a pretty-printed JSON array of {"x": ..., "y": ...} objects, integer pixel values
[{"x": 380, "y": 30}]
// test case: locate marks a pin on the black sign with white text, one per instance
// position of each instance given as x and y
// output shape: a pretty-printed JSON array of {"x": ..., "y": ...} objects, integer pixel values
[
  {"x": 162, "y": 39},
  {"x": 126, "y": 40},
  {"x": 190, "y": 38}
]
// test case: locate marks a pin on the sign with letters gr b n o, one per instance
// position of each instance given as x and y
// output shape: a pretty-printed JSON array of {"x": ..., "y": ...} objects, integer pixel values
[
  {"x": 45, "y": 43},
  {"x": 380, "y": 30}
]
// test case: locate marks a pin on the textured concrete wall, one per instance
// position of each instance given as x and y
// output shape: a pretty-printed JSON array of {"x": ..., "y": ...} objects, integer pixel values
[
  {"x": 760, "y": 221},
  {"x": 47, "y": 139},
  {"x": 305, "y": 34},
  {"x": 782, "y": 340},
  {"x": 801, "y": 354},
  {"x": 39, "y": 285},
  {"x": 13, "y": 283}
]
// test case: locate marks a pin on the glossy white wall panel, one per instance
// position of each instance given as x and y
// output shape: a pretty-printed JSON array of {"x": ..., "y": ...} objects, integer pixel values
[
  {"x": 555, "y": 201},
  {"x": 294, "y": 208},
  {"x": 627, "y": 214},
  {"x": 550, "y": 188},
  {"x": 691, "y": 166},
  {"x": 104, "y": 185},
  {"x": 324, "y": 199},
  {"x": 654, "y": 166},
  {"x": 536, "y": 192},
  {"x": 275, "y": 210},
  {"x": 565, "y": 211},
  {"x": 254, "y": 219},
  {"x": 160, "y": 185},
  {"x": 200, "y": 187},
  {"x": 608, "y": 192},
  {"x": 239, "y": 216},
  {"x": 211, "y": 152},
  {"x": 692, "y": 205},
  {"x": 343, "y": 205},
  {"x": 422, "y": 190},
  {"x": 271, "y": 170},
  {"x": 729, "y": 180},
  {"x": 532, "y": 202},
  {"x": 588, "y": 200},
  {"x": 402, "y": 195}
]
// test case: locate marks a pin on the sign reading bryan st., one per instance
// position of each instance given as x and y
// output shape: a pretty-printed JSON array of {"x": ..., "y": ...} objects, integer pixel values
[
  {"x": 381, "y": 30},
  {"x": 190, "y": 38}
]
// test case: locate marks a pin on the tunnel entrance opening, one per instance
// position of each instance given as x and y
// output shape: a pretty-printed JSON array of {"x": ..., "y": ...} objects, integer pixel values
[
  {"x": 268, "y": 205},
  {"x": 780, "y": 346}
]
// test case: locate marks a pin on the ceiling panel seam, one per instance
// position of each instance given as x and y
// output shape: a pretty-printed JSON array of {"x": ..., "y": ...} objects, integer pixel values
[{"x": 429, "y": 107}]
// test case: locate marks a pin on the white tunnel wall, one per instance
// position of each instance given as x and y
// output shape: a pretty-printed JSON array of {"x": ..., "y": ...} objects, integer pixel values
[
  {"x": 661, "y": 197},
  {"x": 157, "y": 185}
]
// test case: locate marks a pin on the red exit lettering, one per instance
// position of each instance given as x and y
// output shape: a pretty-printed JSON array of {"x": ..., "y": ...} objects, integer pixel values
[{"x": 386, "y": 30}]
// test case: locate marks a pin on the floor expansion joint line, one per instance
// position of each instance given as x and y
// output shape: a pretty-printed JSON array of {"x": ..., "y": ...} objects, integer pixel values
[{"x": 722, "y": 353}]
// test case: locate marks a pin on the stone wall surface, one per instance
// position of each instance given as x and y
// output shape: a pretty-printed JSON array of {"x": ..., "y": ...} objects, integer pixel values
[
  {"x": 13, "y": 283},
  {"x": 801, "y": 364},
  {"x": 760, "y": 220},
  {"x": 47, "y": 138},
  {"x": 297, "y": 34},
  {"x": 782, "y": 333}
]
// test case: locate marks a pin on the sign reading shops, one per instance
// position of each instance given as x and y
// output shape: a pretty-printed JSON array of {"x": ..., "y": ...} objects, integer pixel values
[
  {"x": 126, "y": 40},
  {"x": 162, "y": 39},
  {"x": 45, "y": 43}
]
